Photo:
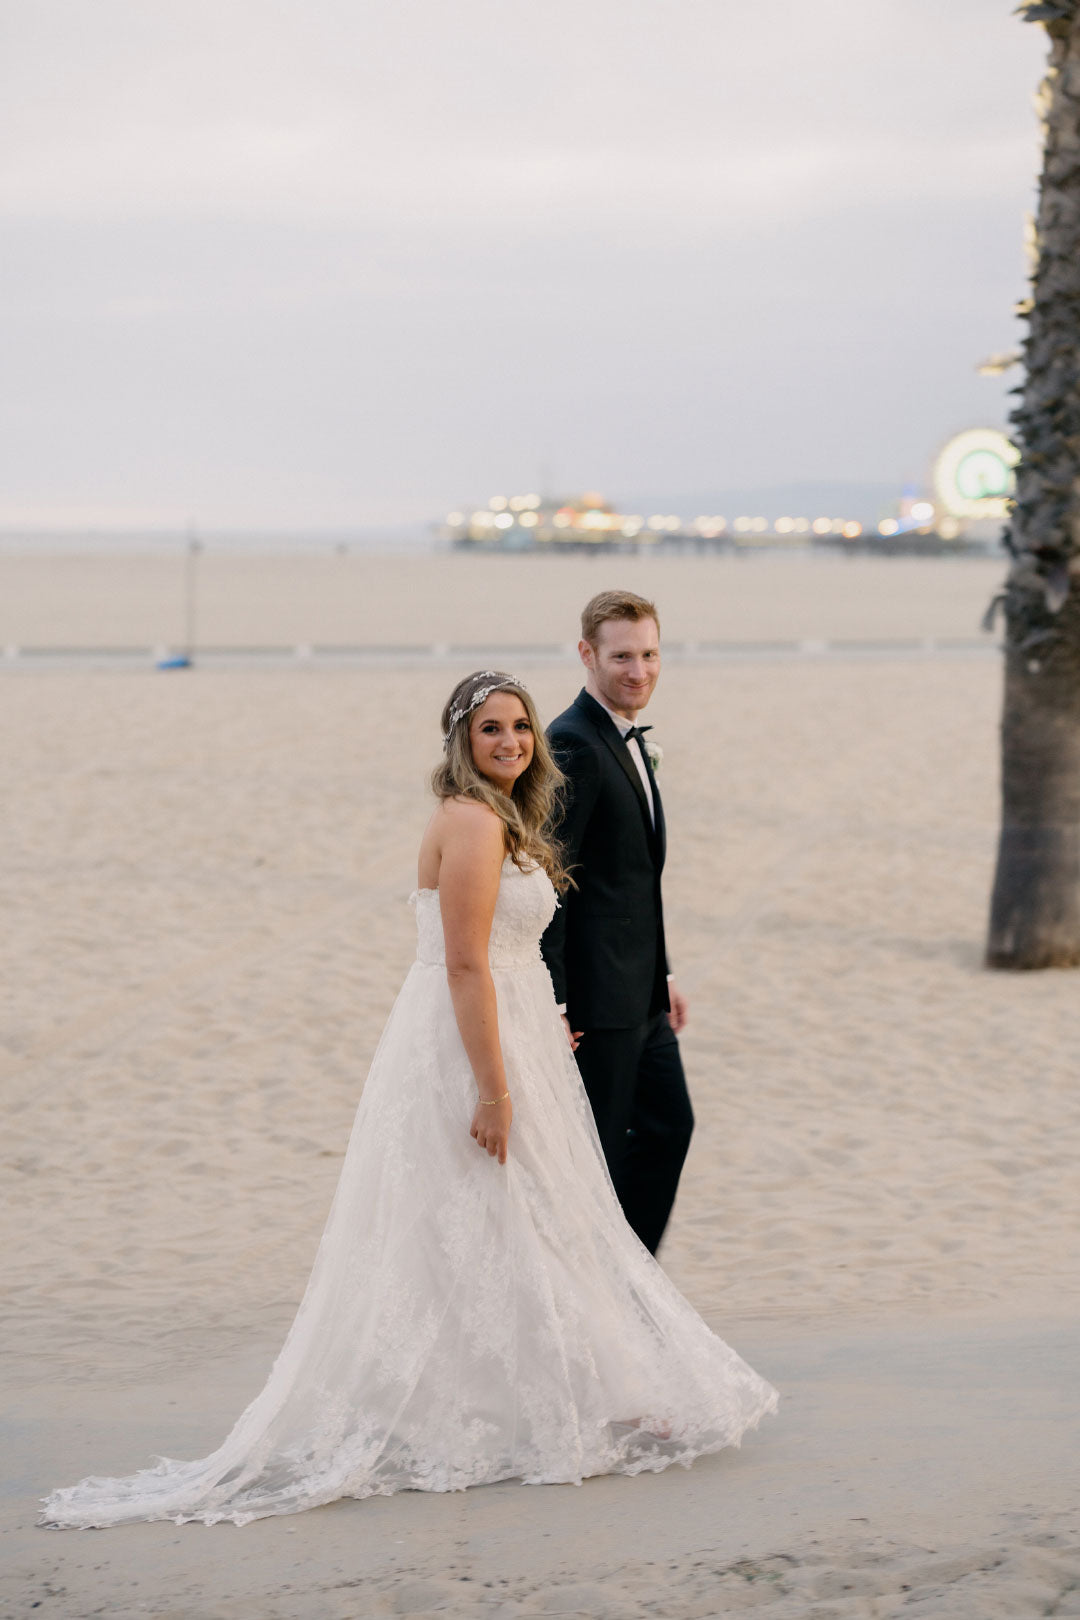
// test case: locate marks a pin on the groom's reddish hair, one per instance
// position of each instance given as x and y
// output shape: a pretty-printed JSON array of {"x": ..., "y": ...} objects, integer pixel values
[{"x": 609, "y": 605}]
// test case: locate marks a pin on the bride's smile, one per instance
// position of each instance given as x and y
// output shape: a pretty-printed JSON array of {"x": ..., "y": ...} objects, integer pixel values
[{"x": 501, "y": 739}]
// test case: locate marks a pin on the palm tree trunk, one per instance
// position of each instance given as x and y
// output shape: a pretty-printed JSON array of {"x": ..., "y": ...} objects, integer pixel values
[{"x": 1035, "y": 910}]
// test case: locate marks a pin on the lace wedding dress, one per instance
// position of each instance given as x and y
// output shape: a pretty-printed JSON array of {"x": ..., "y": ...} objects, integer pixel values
[{"x": 465, "y": 1321}]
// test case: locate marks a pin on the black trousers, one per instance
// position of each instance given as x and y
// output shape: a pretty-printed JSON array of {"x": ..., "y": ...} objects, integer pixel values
[{"x": 635, "y": 1083}]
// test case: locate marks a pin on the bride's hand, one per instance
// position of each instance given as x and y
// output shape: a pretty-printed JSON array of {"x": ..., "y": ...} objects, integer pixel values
[
  {"x": 491, "y": 1127},
  {"x": 572, "y": 1035}
]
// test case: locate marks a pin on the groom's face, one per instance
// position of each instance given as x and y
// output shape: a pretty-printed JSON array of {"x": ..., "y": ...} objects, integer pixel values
[{"x": 623, "y": 664}]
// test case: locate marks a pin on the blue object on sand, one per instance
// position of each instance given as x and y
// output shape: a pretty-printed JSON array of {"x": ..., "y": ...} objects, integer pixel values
[{"x": 181, "y": 661}]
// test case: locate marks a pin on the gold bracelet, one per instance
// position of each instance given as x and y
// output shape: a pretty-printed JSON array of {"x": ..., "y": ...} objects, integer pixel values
[{"x": 489, "y": 1102}]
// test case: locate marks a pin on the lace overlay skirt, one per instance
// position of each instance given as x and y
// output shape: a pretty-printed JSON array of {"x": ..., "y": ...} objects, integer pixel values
[{"x": 465, "y": 1321}]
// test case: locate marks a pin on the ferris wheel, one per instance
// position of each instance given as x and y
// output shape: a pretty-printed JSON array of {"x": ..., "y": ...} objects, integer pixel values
[{"x": 974, "y": 474}]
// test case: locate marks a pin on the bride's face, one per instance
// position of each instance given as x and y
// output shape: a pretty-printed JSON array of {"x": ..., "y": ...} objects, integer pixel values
[{"x": 501, "y": 739}]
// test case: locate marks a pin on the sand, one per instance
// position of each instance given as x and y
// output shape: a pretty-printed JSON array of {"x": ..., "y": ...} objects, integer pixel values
[
  {"x": 204, "y": 887},
  {"x": 345, "y": 600}
]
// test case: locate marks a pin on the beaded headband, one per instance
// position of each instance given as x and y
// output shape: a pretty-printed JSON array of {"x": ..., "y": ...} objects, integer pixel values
[{"x": 498, "y": 682}]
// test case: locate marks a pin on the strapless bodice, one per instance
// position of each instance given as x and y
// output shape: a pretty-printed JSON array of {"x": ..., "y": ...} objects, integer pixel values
[{"x": 524, "y": 907}]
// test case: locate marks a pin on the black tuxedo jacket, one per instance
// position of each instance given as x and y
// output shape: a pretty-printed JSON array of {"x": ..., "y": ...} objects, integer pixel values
[{"x": 605, "y": 945}]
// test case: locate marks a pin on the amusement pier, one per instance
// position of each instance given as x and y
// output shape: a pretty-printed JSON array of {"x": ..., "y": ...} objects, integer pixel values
[{"x": 970, "y": 489}]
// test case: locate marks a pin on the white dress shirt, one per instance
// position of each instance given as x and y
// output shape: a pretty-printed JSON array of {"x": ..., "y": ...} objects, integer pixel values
[{"x": 637, "y": 754}]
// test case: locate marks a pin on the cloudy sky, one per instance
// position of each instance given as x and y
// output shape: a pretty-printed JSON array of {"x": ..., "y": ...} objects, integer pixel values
[{"x": 349, "y": 262}]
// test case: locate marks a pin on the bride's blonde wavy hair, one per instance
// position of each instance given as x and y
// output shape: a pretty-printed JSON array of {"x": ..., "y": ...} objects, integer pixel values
[{"x": 529, "y": 812}]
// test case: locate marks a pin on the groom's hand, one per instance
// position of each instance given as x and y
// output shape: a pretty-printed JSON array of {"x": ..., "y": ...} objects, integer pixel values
[
  {"x": 680, "y": 1008},
  {"x": 572, "y": 1035}
]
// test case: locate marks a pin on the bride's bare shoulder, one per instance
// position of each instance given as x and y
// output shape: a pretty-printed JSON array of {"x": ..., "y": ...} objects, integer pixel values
[
  {"x": 463, "y": 822},
  {"x": 464, "y": 842},
  {"x": 463, "y": 832},
  {"x": 469, "y": 821}
]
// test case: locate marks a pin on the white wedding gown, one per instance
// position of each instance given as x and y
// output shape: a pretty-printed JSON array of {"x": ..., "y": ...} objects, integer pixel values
[{"x": 465, "y": 1321}]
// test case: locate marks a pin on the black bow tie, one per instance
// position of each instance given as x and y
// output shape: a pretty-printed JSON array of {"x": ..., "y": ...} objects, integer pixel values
[{"x": 636, "y": 731}]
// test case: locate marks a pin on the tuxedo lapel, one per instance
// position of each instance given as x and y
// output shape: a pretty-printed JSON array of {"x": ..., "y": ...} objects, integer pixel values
[
  {"x": 658, "y": 806},
  {"x": 608, "y": 730}
]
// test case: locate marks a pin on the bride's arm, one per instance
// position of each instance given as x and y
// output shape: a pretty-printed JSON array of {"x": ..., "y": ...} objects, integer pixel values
[{"x": 471, "y": 862}]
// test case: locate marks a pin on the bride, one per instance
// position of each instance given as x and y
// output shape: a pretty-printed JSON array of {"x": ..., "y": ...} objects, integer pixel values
[{"x": 479, "y": 1309}]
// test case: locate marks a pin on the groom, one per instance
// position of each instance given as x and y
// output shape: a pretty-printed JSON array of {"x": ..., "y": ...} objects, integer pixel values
[{"x": 605, "y": 945}]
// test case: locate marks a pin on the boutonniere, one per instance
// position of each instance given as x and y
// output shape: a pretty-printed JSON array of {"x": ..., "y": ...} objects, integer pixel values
[{"x": 655, "y": 753}]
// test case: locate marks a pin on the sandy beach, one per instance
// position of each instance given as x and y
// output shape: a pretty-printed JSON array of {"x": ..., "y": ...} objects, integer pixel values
[
  {"x": 329, "y": 599},
  {"x": 205, "y": 884}
]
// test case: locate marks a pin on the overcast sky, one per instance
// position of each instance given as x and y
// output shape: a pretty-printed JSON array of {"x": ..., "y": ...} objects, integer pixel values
[{"x": 347, "y": 262}]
